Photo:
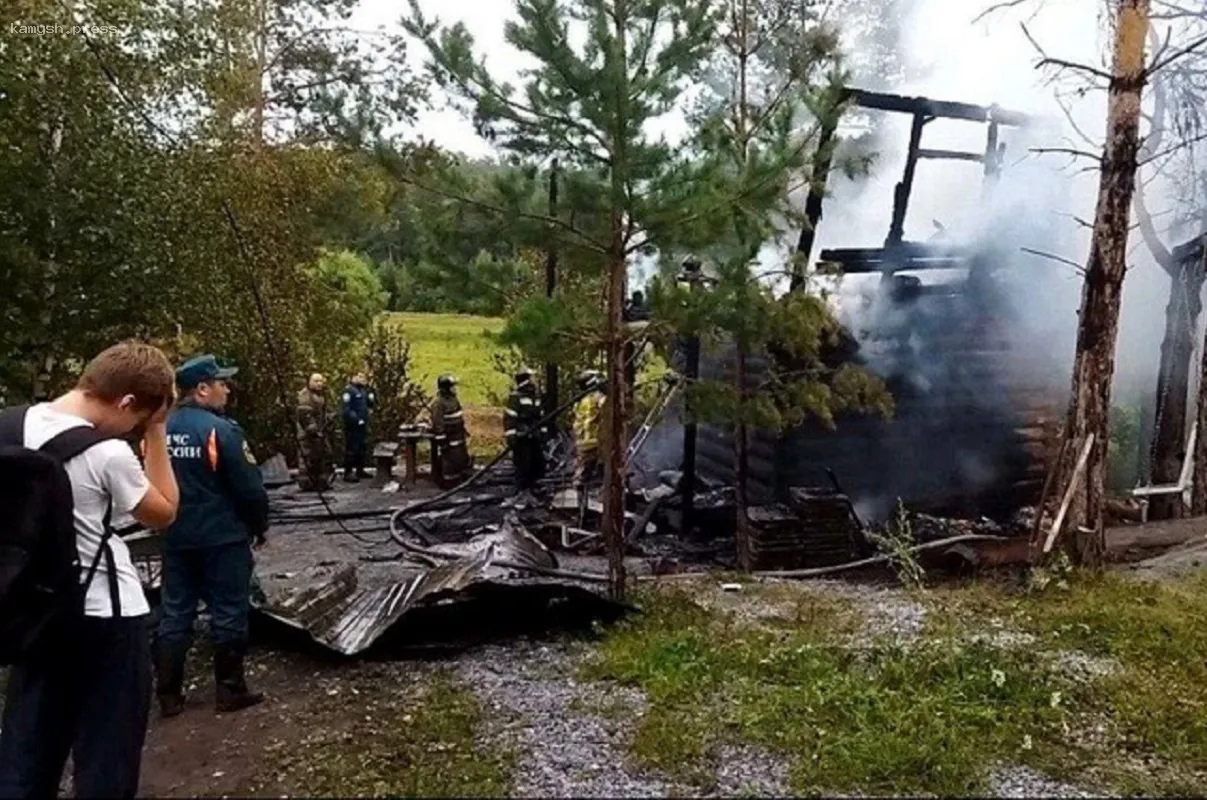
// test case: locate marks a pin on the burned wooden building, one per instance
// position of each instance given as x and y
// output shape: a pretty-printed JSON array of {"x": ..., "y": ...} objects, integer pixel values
[{"x": 977, "y": 402}]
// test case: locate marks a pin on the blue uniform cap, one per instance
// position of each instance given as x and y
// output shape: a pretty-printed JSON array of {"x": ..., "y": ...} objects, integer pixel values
[{"x": 201, "y": 369}]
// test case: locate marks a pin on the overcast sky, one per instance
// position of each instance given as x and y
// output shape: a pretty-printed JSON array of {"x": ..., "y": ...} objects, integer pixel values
[{"x": 987, "y": 62}]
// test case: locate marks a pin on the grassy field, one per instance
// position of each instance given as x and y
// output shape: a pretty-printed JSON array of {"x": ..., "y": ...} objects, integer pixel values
[{"x": 457, "y": 344}]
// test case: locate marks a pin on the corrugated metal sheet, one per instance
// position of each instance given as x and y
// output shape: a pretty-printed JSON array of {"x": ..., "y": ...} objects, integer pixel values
[
  {"x": 332, "y": 588},
  {"x": 347, "y": 616}
]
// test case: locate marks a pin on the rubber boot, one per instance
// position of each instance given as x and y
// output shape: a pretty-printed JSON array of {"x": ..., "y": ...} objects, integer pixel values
[
  {"x": 169, "y": 679},
  {"x": 230, "y": 685}
]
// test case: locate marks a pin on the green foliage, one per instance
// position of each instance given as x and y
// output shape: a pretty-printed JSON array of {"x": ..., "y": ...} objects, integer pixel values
[
  {"x": 778, "y": 67},
  {"x": 388, "y": 366},
  {"x": 1123, "y": 451},
  {"x": 118, "y": 227},
  {"x": 348, "y": 298},
  {"x": 896, "y": 541}
]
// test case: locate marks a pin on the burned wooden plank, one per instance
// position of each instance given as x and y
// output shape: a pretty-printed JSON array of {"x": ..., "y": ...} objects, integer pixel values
[
  {"x": 950, "y": 155},
  {"x": 882, "y": 101}
]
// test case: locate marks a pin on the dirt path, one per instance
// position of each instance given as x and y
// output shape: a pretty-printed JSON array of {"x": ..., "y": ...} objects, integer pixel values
[{"x": 200, "y": 752}]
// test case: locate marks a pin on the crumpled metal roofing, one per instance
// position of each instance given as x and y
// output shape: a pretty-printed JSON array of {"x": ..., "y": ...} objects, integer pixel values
[{"x": 347, "y": 616}]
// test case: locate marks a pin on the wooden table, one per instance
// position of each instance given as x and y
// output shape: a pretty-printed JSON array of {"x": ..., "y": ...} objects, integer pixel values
[{"x": 409, "y": 436}]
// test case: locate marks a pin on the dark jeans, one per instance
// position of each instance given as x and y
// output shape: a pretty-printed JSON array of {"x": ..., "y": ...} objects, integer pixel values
[
  {"x": 355, "y": 439},
  {"x": 92, "y": 703},
  {"x": 528, "y": 457},
  {"x": 221, "y": 576}
]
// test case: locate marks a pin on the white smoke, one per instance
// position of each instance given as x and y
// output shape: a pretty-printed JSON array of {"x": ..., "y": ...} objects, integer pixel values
[{"x": 1042, "y": 200}]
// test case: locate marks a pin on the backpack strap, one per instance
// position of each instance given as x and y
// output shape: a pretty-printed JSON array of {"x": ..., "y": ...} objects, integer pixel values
[
  {"x": 72, "y": 442},
  {"x": 64, "y": 447},
  {"x": 12, "y": 425}
]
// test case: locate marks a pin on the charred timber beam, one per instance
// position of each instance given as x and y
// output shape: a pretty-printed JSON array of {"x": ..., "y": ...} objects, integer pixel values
[
  {"x": 901, "y": 194},
  {"x": 1173, "y": 386},
  {"x": 904, "y": 250},
  {"x": 994, "y": 154},
  {"x": 951, "y": 155},
  {"x": 938, "y": 108},
  {"x": 822, "y": 160},
  {"x": 901, "y": 265}
]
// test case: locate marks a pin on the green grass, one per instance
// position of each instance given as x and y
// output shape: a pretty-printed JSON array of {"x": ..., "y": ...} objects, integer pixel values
[
  {"x": 1156, "y": 632},
  {"x": 457, "y": 344},
  {"x": 933, "y": 716},
  {"x": 417, "y": 742}
]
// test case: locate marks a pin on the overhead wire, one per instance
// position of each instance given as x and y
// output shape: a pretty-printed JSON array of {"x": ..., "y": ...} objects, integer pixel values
[
  {"x": 267, "y": 332},
  {"x": 228, "y": 213}
]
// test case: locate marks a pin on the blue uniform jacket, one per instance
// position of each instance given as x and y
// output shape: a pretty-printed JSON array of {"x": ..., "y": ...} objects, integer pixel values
[
  {"x": 357, "y": 400},
  {"x": 222, "y": 496}
]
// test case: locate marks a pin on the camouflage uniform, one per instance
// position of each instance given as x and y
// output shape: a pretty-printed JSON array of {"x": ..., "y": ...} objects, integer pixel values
[{"x": 313, "y": 431}]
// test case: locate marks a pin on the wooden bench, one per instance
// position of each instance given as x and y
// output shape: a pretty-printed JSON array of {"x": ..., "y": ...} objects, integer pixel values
[{"x": 384, "y": 456}]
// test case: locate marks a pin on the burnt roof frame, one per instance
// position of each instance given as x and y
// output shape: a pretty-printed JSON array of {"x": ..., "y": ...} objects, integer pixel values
[{"x": 924, "y": 110}]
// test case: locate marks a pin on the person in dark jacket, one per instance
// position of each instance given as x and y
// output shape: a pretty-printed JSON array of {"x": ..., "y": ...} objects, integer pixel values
[
  {"x": 525, "y": 435},
  {"x": 448, "y": 432},
  {"x": 358, "y": 401},
  {"x": 207, "y": 552}
]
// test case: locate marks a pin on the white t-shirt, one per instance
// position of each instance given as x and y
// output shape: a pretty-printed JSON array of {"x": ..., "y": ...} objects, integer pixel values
[{"x": 107, "y": 471}]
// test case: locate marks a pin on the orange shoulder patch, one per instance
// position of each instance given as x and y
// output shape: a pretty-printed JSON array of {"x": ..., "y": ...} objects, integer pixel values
[{"x": 211, "y": 450}]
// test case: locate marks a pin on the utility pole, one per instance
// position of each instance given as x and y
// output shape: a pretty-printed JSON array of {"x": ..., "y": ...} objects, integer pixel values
[
  {"x": 550, "y": 286},
  {"x": 692, "y": 276}
]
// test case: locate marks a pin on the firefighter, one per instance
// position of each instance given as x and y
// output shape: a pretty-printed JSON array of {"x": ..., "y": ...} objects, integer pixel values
[
  {"x": 448, "y": 431},
  {"x": 313, "y": 431},
  {"x": 588, "y": 414},
  {"x": 525, "y": 435},
  {"x": 358, "y": 401}
]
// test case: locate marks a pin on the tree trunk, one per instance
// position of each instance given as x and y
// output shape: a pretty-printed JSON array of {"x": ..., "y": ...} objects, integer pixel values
[
  {"x": 614, "y": 417},
  {"x": 551, "y": 387},
  {"x": 1098, "y": 326},
  {"x": 1198, "y": 498},
  {"x": 741, "y": 466},
  {"x": 1173, "y": 387},
  {"x": 260, "y": 76}
]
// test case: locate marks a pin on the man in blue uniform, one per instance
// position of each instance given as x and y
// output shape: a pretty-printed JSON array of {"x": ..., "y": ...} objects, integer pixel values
[
  {"x": 358, "y": 401},
  {"x": 207, "y": 552}
]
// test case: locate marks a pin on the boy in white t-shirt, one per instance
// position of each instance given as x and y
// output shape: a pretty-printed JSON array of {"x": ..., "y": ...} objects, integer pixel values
[{"x": 94, "y": 704}]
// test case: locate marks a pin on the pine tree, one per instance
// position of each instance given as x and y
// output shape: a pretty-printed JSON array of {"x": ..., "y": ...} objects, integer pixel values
[
  {"x": 776, "y": 72},
  {"x": 590, "y": 105}
]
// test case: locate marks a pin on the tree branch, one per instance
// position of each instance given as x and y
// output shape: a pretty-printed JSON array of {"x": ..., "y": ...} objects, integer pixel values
[
  {"x": 1139, "y": 204},
  {"x": 1058, "y": 259},
  {"x": 1046, "y": 60},
  {"x": 1175, "y": 55},
  {"x": 996, "y": 7},
  {"x": 584, "y": 239},
  {"x": 1066, "y": 151}
]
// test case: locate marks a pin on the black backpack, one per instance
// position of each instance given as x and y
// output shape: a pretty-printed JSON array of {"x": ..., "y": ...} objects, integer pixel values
[{"x": 41, "y": 594}]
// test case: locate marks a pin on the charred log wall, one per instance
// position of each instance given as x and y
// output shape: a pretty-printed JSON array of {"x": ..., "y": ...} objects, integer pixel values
[{"x": 977, "y": 406}]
